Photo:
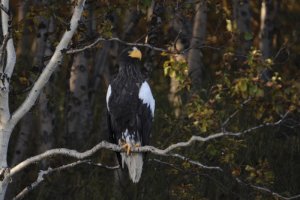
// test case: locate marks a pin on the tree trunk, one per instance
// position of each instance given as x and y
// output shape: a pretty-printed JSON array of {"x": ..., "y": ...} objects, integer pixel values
[
  {"x": 26, "y": 123},
  {"x": 180, "y": 33},
  {"x": 242, "y": 17},
  {"x": 79, "y": 113},
  {"x": 195, "y": 60},
  {"x": 267, "y": 15},
  {"x": 46, "y": 114},
  {"x": 154, "y": 19}
]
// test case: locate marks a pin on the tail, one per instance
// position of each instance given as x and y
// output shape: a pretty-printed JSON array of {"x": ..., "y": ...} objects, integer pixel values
[{"x": 134, "y": 164}]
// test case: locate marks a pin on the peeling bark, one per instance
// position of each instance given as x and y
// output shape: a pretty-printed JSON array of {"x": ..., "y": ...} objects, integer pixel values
[{"x": 195, "y": 57}]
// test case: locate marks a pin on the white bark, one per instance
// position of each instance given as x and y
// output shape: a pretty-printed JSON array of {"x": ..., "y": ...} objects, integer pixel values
[
  {"x": 10, "y": 49},
  {"x": 23, "y": 139},
  {"x": 4, "y": 88}
]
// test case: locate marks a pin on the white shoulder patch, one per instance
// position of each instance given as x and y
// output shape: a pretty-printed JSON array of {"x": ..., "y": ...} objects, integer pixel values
[
  {"x": 108, "y": 95},
  {"x": 145, "y": 95}
]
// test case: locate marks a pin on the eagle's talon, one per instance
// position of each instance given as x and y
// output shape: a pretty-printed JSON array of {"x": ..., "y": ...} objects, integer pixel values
[{"x": 127, "y": 147}]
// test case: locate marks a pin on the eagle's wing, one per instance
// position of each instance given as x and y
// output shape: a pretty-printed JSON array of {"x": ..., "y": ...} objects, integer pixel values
[
  {"x": 145, "y": 112},
  {"x": 111, "y": 135}
]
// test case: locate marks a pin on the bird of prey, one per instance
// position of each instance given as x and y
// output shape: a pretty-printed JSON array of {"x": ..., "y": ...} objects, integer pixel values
[{"x": 130, "y": 111}]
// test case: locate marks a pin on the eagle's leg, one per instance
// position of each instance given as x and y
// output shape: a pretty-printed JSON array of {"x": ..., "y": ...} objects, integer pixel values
[{"x": 127, "y": 147}]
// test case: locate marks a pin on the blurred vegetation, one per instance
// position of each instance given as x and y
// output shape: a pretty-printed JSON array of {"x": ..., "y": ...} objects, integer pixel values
[{"x": 233, "y": 83}]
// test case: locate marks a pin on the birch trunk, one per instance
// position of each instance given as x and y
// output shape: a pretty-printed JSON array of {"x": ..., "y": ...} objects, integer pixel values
[
  {"x": 25, "y": 124},
  {"x": 180, "y": 31},
  {"x": 195, "y": 57},
  {"x": 45, "y": 112},
  {"x": 6, "y": 72},
  {"x": 79, "y": 112},
  {"x": 79, "y": 115},
  {"x": 267, "y": 15}
]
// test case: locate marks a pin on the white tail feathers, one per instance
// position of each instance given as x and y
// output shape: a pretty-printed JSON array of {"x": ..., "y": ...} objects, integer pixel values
[{"x": 134, "y": 164}]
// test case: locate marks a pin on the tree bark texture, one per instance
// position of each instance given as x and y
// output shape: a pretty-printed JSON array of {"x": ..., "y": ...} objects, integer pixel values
[
  {"x": 195, "y": 57},
  {"x": 267, "y": 16},
  {"x": 154, "y": 19},
  {"x": 79, "y": 112},
  {"x": 242, "y": 16},
  {"x": 46, "y": 114}
]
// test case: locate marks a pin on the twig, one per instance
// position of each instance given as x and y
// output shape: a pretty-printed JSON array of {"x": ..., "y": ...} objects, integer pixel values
[
  {"x": 267, "y": 190},
  {"x": 49, "y": 171},
  {"x": 196, "y": 163},
  {"x": 225, "y": 123}
]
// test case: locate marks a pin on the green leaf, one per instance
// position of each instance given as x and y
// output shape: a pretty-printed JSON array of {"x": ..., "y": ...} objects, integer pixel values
[{"x": 248, "y": 36}]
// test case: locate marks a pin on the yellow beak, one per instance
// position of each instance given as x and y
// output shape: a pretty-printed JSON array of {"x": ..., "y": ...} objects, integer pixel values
[{"x": 135, "y": 53}]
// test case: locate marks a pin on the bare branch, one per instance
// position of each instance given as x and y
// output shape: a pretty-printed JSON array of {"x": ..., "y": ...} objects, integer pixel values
[
  {"x": 40, "y": 178},
  {"x": 225, "y": 123},
  {"x": 156, "y": 151},
  {"x": 196, "y": 163},
  {"x": 49, "y": 171},
  {"x": 100, "y": 39},
  {"x": 267, "y": 190}
]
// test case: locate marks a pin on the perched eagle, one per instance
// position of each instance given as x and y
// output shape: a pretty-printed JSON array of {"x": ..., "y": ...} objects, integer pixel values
[{"x": 130, "y": 111}]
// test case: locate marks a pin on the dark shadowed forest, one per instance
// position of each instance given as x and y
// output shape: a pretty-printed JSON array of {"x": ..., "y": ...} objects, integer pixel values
[{"x": 225, "y": 75}]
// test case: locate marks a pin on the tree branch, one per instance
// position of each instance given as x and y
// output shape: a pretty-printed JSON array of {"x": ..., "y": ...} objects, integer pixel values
[
  {"x": 49, "y": 171},
  {"x": 267, "y": 190},
  {"x": 100, "y": 39},
  {"x": 156, "y": 151},
  {"x": 40, "y": 178}
]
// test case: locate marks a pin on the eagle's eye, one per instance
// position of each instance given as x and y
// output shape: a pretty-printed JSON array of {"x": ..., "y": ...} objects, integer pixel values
[{"x": 135, "y": 53}]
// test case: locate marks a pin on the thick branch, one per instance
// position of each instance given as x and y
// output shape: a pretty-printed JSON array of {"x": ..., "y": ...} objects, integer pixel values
[{"x": 151, "y": 149}]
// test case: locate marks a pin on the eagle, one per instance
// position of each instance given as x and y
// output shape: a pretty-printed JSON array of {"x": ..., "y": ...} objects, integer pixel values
[{"x": 130, "y": 111}]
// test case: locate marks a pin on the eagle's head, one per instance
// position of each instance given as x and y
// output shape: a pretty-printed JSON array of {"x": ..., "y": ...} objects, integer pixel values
[
  {"x": 131, "y": 54},
  {"x": 135, "y": 53}
]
